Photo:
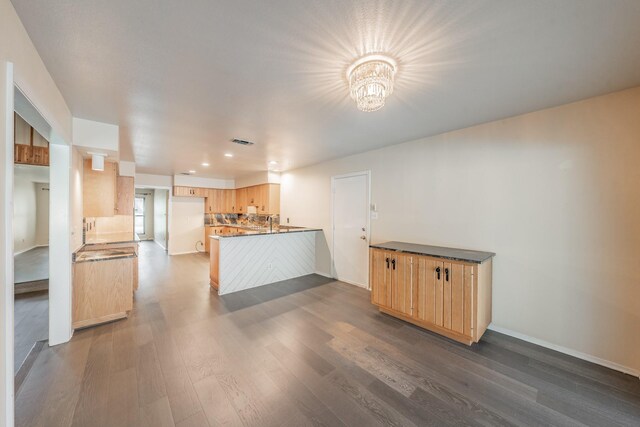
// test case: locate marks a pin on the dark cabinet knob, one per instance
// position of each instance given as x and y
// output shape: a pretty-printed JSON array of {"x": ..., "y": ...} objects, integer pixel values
[
  {"x": 438, "y": 271},
  {"x": 446, "y": 274},
  {"x": 387, "y": 259},
  {"x": 393, "y": 262}
]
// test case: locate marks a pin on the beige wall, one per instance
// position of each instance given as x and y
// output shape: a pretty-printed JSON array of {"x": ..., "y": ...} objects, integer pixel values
[
  {"x": 186, "y": 226},
  {"x": 77, "y": 169},
  {"x": 160, "y": 201},
  {"x": 554, "y": 193}
]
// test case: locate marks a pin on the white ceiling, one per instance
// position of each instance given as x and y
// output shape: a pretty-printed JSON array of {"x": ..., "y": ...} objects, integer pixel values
[{"x": 183, "y": 78}]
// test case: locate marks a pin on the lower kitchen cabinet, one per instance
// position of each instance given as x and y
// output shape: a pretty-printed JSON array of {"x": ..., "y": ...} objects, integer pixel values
[{"x": 450, "y": 297}]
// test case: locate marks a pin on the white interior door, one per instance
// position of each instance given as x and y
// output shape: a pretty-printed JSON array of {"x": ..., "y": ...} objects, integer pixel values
[{"x": 351, "y": 228}]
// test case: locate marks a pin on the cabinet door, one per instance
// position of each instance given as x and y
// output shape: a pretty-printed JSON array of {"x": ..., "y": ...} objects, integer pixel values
[
  {"x": 380, "y": 278},
  {"x": 229, "y": 201},
  {"x": 241, "y": 200},
  {"x": 125, "y": 195},
  {"x": 262, "y": 201},
  {"x": 428, "y": 289},
  {"x": 253, "y": 195},
  {"x": 99, "y": 190},
  {"x": 181, "y": 191},
  {"x": 458, "y": 298},
  {"x": 402, "y": 283}
]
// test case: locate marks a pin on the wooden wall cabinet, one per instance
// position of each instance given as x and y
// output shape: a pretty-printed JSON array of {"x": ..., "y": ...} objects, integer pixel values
[
  {"x": 180, "y": 191},
  {"x": 229, "y": 201},
  {"x": 29, "y": 146},
  {"x": 241, "y": 200},
  {"x": 452, "y": 298},
  {"x": 125, "y": 195},
  {"x": 99, "y": 190}
]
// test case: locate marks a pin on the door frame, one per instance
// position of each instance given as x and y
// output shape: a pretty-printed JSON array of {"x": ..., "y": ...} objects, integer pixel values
[{"x": 334, "y": 178}]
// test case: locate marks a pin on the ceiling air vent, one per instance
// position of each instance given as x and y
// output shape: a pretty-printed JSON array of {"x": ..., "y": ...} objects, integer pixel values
[
  {"x": 185, "y": 173},
  {"x": 241, "y": 141}
]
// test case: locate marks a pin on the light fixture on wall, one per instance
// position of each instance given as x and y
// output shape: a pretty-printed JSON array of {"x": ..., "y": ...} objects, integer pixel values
[
  {"x": 371, "y": 81},
  {"x": 97, "y": 161}
]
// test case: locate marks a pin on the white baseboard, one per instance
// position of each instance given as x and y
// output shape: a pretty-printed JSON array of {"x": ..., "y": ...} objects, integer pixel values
[
  {"x": 568, "y": 351},
  {"x": 184, "y": 253},
  {"x": 24, "y": 250},
  {"x": 160, "y": 244},
  {"x": 320, "y": 273}
]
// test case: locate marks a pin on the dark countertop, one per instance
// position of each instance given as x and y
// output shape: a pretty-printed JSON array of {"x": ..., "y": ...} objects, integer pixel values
[
  {"x": 436, "y": 251},
  {"x": 262, "y": 232}
]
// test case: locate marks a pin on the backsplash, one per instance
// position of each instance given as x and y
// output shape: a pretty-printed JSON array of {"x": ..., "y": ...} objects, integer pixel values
[{"x": 249, "y": 220}]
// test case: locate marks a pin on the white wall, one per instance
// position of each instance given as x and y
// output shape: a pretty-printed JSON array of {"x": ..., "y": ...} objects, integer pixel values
[
  {"x": 554, "y": 193},
  {"x": 32, "y": 77},
  {"x": 148, "y": 180},
  {"x": 77, "y": 170},
  {"x": 160, "y": 200},
  {"x": 42, "y": 214},
  {"x": 258, "y": 178},
  {"x": 96, "y": 136},
  {"x": 186, "y": 227},
  {"x": 24, "y": 214},
  {"x": 196, "y": 181}
]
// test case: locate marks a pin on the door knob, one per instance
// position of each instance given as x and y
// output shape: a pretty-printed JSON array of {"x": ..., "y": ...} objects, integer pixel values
[{"x": 363, "y": 237}]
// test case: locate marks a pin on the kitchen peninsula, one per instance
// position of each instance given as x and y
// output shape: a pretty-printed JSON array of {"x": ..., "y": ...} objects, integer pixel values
[{"x": 243, "y": 258}]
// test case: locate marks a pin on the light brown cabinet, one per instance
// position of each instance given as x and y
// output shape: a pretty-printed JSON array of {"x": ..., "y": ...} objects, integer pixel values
[
  {"x": 452, "y": 298},
  {"x": 99, "y": 190},
  {"x": 241, "y": 200},
  {"x": 180, "y": 191},
  {"x": 29, "y": 146},
  {"x": 125, "y": 195},
  {"x": 228, "y": 201}
]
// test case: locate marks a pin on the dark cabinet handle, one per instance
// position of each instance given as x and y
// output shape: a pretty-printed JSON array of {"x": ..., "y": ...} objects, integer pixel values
[
  {"x": 393, "y": 262},
  {"x": 446, "y": 274},
  {"x": 438, "y": 271},
  {"x": 387, "y": 259}
]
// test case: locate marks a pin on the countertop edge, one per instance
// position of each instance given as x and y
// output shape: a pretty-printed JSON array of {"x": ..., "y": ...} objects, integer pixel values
[
  {"x": 219, "y": 236},
  {"x": 484, "y": 256}
]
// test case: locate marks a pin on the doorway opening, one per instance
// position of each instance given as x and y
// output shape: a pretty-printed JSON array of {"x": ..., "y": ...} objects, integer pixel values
[
  {"x": 350, "y": 204},
  {"x": 151, "y": 215},
  {"x": 30, "y": 233}
]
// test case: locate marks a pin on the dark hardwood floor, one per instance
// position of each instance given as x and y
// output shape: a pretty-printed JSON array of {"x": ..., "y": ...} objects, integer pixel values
[{"x": 309, "y": 351}]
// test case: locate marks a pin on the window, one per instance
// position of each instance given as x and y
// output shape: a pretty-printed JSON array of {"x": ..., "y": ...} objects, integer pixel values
[{"x": 139, "y": 215}]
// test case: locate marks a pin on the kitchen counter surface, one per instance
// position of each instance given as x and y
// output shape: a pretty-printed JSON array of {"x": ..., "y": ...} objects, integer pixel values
[
  {"x": 101, "y": 239},
  {"x": 436, "y": 251},
  {"x": 104, "y": 254},
  {"x": 245, "y": 231}
]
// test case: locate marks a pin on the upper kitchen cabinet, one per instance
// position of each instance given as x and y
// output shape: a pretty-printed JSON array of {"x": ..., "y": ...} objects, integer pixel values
[
  {"x": 179, "y": 191},
  {"x": 265, "y": 197},
  {"x": 214, "y": 201},
  {"x": 125, "y": 190},
  {"x": 99, "y": 190},
  {"x": 29, "y": 146},
  {"x": 228, "y": 201},
  {"x": 241, "y": 200}
]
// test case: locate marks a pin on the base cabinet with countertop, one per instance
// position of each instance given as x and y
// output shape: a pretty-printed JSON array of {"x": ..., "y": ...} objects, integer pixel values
[
  {"x": 445, "y": 290},
  {"x": 105, "y": 276}
]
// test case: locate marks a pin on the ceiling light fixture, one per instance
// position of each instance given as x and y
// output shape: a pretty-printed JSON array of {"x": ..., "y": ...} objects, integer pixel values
[
  {"x": 192, "y": 171},
  {"x": 228, "y": 155},
  {"x": 273, "y": 162},
  {"x": 97, "y": 162},
  {"x": 205, "y": 164},
  {"x": 371, "y": 81}
]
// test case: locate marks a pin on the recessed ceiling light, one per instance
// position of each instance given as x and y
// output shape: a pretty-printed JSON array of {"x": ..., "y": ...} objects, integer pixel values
[
  {"x": 205, "y": 164},
  {"x": 228, "y": 155},
  {"x": 273, "y": 162},
  {"x": 192, "y": 171}
]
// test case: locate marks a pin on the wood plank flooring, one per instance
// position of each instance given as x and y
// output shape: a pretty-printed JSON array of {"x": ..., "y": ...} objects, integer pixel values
[
  {"x": 309, "y": 351},
  {"x": 31, "y": 324}
]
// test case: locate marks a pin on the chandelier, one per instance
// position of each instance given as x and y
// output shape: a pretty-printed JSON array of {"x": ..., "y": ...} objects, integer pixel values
[{"x": 371, "y": 81}]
